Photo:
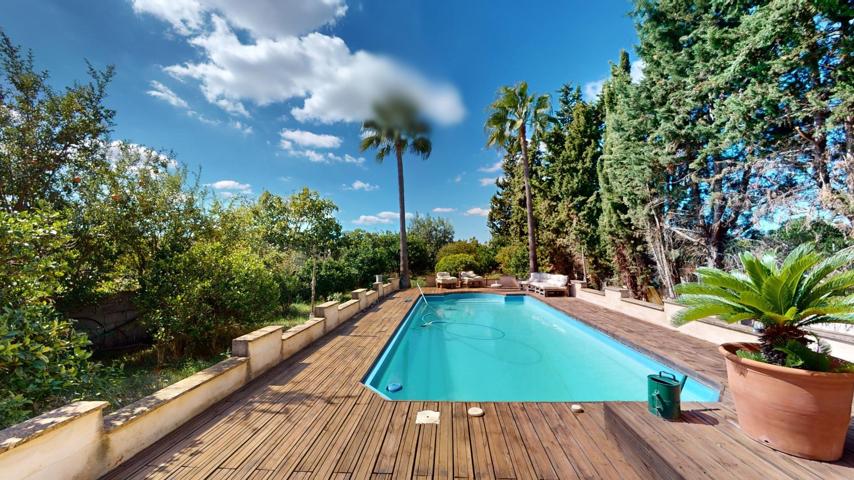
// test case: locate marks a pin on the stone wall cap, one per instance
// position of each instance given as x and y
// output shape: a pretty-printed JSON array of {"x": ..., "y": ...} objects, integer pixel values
[
  {"x": 347, "y": 304},
  {"x": 28, "y": 430},
  {"x": 360, "y": 290},
  {"x": 326, "y": 304},
  {"x": 642, "y": 303},
  {"x": 594, "y": 291},
  {"x": 138, "y": 409},
  {"x": 616, "y": 289},
  {"x": 255, "y": 335}
]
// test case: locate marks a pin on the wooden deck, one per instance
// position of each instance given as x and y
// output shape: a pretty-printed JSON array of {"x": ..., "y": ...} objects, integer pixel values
[{"x": 310, "y": 417}]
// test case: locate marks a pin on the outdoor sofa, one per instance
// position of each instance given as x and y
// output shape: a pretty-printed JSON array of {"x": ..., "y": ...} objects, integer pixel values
[{"x": 545, "y": 283}]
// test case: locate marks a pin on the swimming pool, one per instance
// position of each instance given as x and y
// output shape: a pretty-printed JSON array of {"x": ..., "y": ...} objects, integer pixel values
[{"x": 487, "y": 347}]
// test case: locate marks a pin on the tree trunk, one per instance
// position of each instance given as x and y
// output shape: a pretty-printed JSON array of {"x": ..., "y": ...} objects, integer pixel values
[
  {"x": 404, "y": 252},
  {"x": 529, "y": 203}
]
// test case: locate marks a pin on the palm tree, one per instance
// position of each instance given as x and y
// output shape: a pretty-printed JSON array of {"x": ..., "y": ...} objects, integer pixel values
[
  {"x": 806, "y": 289},
  {"x": 513, "y": 114},
  {"x": 396, "y": 128}
]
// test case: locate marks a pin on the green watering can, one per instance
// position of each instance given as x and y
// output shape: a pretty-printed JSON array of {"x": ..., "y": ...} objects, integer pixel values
[{"x": 664, "y": 395}]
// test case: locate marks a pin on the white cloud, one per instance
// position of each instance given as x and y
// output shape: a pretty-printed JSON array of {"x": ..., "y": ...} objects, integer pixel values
[
  {"x": 261, "y": 18},
  {"x": 231, "y": 185},
  {"x": 162, "y": 92},
  {"x": 592, "y": 90},
  {"x": 241, "y": 127},
  {"x": 360, "y": 185},
  {"x": 346, "y": 158},
  {"x": 281, "y": 61},
  {"x": 381, "y": 218},
  {"x": 444, "y": 210},
  {"x": 477, "y": 211},
  {"x": 637, "y": 70},
  {"x": 304, "y": 138},
  {"x": 459, "y": 177},
  {"x": 185, "y": 16},
  {"x": 492, "y": 168},
  {"x": 487, "y": 181}
]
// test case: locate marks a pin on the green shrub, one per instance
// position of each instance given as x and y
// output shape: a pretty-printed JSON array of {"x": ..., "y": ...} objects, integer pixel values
[
  {"x": 461, "y": 246},
  {"x": 194, "y": 302},
  {"x": 513, "y": 260},
  {"x": 456, "y": 263},
  {"x": 43, "y": 361},
  {"x": 484, "y": 254},
  {"x": 333, "y": 276}
]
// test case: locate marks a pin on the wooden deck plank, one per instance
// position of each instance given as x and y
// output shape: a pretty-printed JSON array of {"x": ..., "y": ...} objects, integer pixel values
[
  {"x": 443, "y": 467},
  {"x": 425, "y": 454},
  {"x": 502, "y": 462},
  {"x": 462, "y": 442},
  {"x": 481, "y": 456},
  {"x": 310, "y": 417}
]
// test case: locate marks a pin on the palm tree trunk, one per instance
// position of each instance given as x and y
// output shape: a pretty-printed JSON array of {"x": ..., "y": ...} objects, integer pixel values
[
  {"x": 529, "y": 203},
  {"x": 404, "y": 253}
]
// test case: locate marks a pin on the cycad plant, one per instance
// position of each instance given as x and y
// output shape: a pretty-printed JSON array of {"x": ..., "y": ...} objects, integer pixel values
[{"x": 805, "y": 289}]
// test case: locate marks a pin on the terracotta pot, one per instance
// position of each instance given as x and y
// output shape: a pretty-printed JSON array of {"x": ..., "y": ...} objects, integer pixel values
[{"x": 798, "y": 412}]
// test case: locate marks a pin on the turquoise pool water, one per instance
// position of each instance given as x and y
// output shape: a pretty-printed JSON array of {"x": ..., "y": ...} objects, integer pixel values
[{"x": 486, "y": 347}]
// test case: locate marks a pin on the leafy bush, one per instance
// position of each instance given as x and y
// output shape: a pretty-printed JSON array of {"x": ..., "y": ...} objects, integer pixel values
[
  {"x": 333, "y": 276},
  {"x": 43, "y": 361},
  {"x": 513, "y": 260},
  {"x": 807, "y": 288},
  {"x": 461, "y": 246},
  {"x": 456, "y": 263},
  {"x": 483, "y": 254},
  {"x": 197, "y": 300}
]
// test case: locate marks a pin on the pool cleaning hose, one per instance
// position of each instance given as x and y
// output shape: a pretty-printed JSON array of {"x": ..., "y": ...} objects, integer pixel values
[{"x": 424, "y": 315}]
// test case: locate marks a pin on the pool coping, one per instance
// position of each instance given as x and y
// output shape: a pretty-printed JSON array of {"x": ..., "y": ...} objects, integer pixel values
[{"x": 675, "y": 364}]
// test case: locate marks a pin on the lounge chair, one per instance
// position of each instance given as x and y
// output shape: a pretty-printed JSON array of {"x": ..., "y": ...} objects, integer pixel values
[
  {"x": 549, "y": 283},
  {"x": 445, "y": 280},
  {"x": 471, "y": 279}
]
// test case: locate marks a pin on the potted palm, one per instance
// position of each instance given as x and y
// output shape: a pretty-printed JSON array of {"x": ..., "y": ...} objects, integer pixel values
[{"x": 789, "y": 392}]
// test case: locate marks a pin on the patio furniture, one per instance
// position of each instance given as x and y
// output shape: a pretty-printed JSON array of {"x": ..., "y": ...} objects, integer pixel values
[
  {"x": 445, "y": 280},
  {"x": 549, "y": 283},
  {"x": 535, "y": 277},
  {"x": 471, "y": 279}
]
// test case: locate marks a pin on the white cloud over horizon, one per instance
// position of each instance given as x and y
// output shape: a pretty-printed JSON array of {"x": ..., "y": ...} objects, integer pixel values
[
  {"x": 360, "y": 185},
  {"x": 381, "y": 218},
  {"x": 286, "y": 59},
  {"x": 444, "y": 210},
  {"x": 491, "y": 168},
  {"x": 304, "y": 138},
  {"x": 477, "y": 211},
  {"x": 592, "y": 90},
  {"x": 487, "y": 181},
  {"x": 162, "y": 92},
  {"x": 232, "y": 186}
]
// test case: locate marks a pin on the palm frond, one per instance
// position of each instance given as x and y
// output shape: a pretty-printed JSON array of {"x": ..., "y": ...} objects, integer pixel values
[
  {"x": 719, "y": 278},
  {"x": 823, "y": 269},
  {"x": 699, "y": 312}
]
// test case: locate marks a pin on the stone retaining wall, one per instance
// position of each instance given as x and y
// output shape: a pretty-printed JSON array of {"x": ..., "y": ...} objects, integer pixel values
[{"x": 78, "y": 441}]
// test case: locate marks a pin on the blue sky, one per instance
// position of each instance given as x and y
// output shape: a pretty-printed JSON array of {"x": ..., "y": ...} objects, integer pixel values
[{"x": 266, "y": 94}]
